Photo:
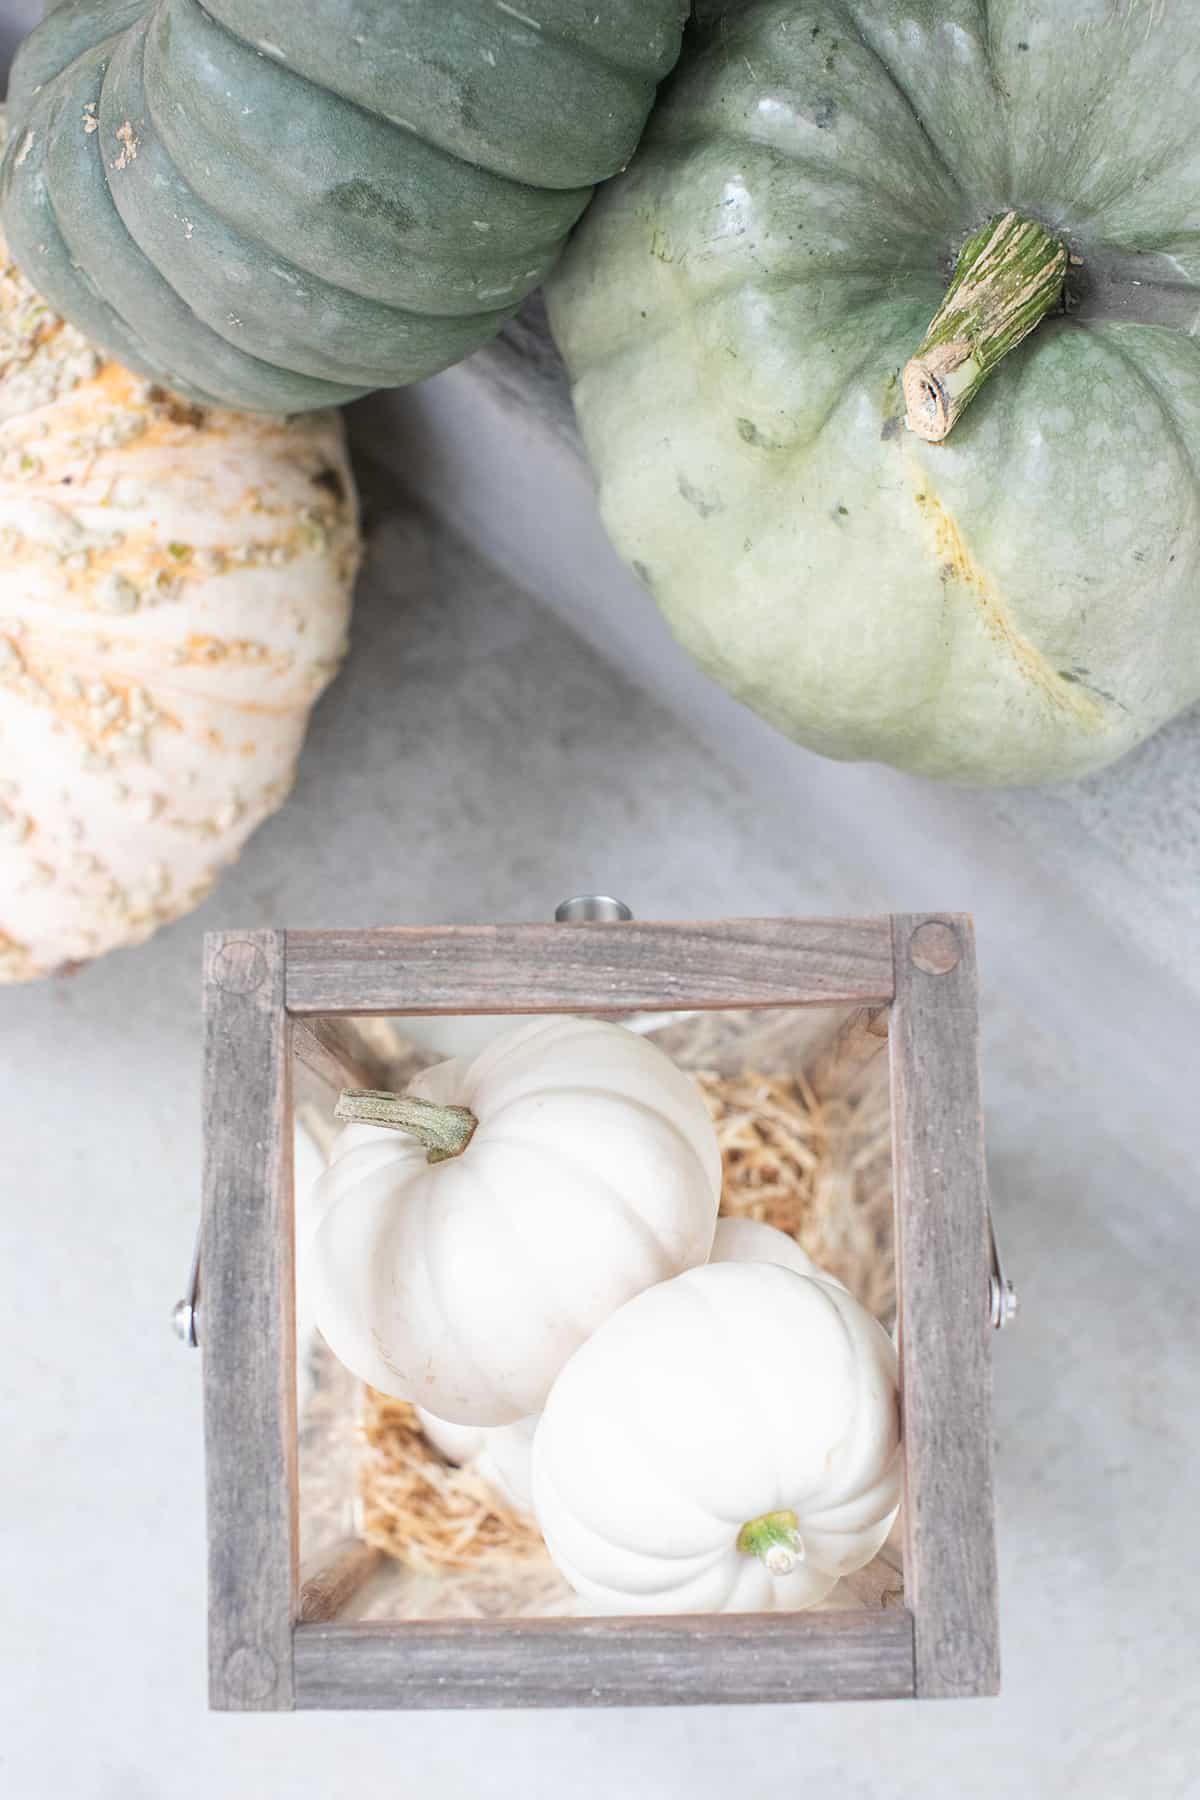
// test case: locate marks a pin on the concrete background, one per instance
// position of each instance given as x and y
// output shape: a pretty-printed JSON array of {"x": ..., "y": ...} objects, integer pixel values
[{"x": 477, "y": 761}]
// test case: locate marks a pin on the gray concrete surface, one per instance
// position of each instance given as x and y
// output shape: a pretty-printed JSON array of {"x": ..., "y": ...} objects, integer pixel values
[{"x": 477, "y": 761}]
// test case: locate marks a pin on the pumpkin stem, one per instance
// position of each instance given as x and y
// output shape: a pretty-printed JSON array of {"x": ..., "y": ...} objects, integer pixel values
[
  {"x": 1008, "y": 275},
  {"x": 445, "y": 1131},
  {"x": 775, "y": 1539}
]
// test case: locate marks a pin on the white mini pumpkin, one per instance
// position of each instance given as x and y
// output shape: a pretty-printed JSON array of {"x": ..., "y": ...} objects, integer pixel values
[
  {"x": 727, "y": 1442},
  {"x": 174, "y": 594},
  {"x": 463, "y": 1281},
  {"x": 499, "y": 1454},
  {"x": 753, "y": 1241}
]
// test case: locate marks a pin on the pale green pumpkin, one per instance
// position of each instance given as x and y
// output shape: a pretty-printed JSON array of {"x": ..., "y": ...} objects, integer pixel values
[
  {"x": 1020, "y": 601},
  {"x": 280, "y": 204}
]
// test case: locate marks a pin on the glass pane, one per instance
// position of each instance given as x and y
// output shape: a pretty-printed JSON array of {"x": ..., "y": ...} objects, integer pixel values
[{"x": 805, "y": 1140}]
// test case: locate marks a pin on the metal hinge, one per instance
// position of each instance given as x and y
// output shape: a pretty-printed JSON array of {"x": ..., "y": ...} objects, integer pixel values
[
  {"x": 185, "y": 1319},
  {"x": 1002, "y": 1294}
]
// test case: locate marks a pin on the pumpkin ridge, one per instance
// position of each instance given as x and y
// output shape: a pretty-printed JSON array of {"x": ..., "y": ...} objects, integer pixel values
[
  {"x": 988, "y": 47},
  {"x": 514, "y": 1223},
  {"x": 1094, "y": 208},
  {"x": 547, "y": 32},
  {"x": 566, "y": 1030},
  {"x": 479, "y": 1069},
  {"x": 407, "y": 133},
  {"x": 438, "y": 1281},
  {"x": 47, "y": 55},
  {"x": 681, "y": 143},
  {"x": 622, "y": 1203},
  {"x": 502, "y": 1219},
  {"x": 749, "y": 1392},
  {"x": 864, "y": 37},
  {"x": 668, "y": 1478},
  {"x": 383, "y": 335},
  {"x": 637, "y": 78},
  {"x": 1139, "y": 179},
  {"x": 133, "y": 272},
  {"x": 589, "y": 1586},
  {"x": 96, "y": 317},
  {"x": 614, "y": 1097},
  {"x": 829, "y": 1296},
  {"x": 674, "y": 315},
  {"x": 649, "y": 1450},
  {"x": 205, "y": 142},
  {"x": 841, "y": 1451},
  {"x": 554, "y": 32},
  {"x": 868, "y": 1490},
  {"x": 851, "y": 376},
  {"x": 1166, "y": 411}
]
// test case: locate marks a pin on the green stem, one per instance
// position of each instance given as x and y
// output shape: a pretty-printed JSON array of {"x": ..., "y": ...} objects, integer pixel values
[
  {"x": 775, "y": 1539},
  {"x": 445, "y": 1131},
  {"x": 1008, "y": 276}
]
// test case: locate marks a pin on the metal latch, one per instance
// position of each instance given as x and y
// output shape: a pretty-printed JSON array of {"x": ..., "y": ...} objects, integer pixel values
[
  {"x": 186, "y": 1317},
  {"x": 1005, "y": 1304}
]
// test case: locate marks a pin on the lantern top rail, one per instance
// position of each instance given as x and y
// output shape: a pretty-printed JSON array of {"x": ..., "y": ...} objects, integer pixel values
[{"x": 634, "y": 965}]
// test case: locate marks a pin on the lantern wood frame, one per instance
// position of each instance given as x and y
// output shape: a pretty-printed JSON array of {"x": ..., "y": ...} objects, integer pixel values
[{"x": 273, "y": 996}]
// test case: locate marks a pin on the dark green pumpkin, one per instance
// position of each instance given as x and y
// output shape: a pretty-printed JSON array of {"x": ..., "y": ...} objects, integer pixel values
[{"x": 281, "y": 206}]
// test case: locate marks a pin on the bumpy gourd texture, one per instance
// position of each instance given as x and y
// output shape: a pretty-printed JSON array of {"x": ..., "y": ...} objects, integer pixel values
[
  {"x": 282, "y": 206},
  {"x": 1021, "y": 602},
  {"x": 174, "y": 595}
]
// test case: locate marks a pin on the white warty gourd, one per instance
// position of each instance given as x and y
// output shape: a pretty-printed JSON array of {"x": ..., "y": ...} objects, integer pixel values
[{"x": 175, "y": 588}]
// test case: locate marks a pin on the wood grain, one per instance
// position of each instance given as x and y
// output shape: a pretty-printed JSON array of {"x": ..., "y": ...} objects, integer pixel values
[
  {"x": 572, "y": 968},
  {"x": 248, "y": 1323},
  {"x": 337, "y": 1053},
  {"x": 845, "y": 1061},
  {"x": 706, "y": 1660},
  {"x": 945, "y": 1333},
  {"x": 342, "y": 1569}
]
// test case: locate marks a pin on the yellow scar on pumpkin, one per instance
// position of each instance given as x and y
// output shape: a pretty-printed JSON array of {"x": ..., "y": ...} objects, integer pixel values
[{"x": 960, "y": 566}]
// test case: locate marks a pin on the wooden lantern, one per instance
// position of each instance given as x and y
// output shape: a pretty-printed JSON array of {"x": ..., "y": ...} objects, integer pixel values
[{"x": 276, "y": 997}]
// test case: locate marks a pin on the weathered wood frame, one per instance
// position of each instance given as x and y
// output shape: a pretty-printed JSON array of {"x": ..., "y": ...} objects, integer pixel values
[{"x": 273, "y": 996}]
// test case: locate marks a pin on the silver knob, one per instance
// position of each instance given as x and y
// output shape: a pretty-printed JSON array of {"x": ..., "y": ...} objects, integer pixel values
[
  {"x": 185, "y": 1320},
  {"x": 1005, "y": 1302},
  {"x": 589, "y": 908}
]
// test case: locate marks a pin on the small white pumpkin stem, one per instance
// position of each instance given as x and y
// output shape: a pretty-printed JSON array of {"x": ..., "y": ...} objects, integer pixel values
[
  {"x": 1008, "y": 275},
  {"x": 775, "y": 1539},
  {"x": 445, "y": 1131}
]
